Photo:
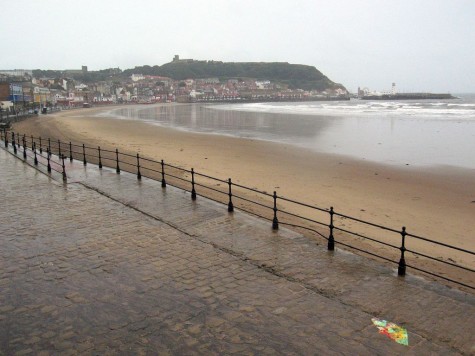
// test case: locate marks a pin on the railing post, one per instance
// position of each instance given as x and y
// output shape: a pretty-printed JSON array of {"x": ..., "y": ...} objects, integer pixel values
[
  {"x": 139, "y": 175},
  {"x": 70, "y": 151},
  {"x": 18, "y": 140},
  {"x": 64, "y": 170},
  {"x": 49, "y": 146},
  {"x": 34, "y": 151},
  {"x": 48, "y": 156},
  {"x": 193, "y": 191},
  {"x": 100, "y": 160},
  {"x": 84, "y": 154},
  {"x": 117, "y": 169},
  {"x": 14, "y": 143},
  {"x": 41, "y": 147},
  {"x": 164, "y": 183},
  {"x": 24, "y": 146},
  {"x": 5, "y": 136},
  {"x": 331, "y": 239},
  {"x": 230, "y": 204},
  {"x": 275, "y": 221},
  {"x": 32, "y": 140},
  {"x": 401, "y": 270},
  {"x": 59, "y": 149}
]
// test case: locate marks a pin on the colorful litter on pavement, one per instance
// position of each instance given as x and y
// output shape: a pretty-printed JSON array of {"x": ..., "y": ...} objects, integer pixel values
[{"x": 391, "y": 330}]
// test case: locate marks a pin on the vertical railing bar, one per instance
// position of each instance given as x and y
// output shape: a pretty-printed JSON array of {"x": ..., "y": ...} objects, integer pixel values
[
  {"x": 34, "y": 151},
  {"x": 64, "y": 169},
  {"x": 331, "y": 239},
  {"x": 230, "y": 204},
  {"x": 14, "y": 143},
  {"x": 193, "y": 191},
  {"x": 401, "y": 270},
  {"x": 139, "y": 175},
  {"x": 24, "y": 146},
  {"x": 84, "y": 154},
  {"x": 48, "y": 158},
  {"x": 275, "y": 221},
  {"x": 100, "y": 160},
  {"x": 117, "y": 169},
  {"x": 164, "y": 183}
]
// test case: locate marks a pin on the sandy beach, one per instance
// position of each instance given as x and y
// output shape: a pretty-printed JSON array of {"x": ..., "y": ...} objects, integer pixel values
[{"x": 437, "y": 203}]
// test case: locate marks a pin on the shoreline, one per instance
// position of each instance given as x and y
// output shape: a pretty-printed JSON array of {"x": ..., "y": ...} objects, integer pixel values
[{"x": 433, "y": 202}]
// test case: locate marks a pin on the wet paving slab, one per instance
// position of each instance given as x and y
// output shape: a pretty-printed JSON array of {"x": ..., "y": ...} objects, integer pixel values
[{"x": 106, "y": 264}]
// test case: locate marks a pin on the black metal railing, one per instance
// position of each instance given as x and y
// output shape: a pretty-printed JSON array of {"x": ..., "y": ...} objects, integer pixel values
[{"x": 396, "y": 246}]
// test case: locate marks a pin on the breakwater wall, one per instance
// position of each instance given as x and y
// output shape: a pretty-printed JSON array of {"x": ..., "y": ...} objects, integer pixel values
[{"x": 409, "y": 96}]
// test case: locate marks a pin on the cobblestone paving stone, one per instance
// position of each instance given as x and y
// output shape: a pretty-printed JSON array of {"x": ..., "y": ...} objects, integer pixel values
[{"x": 107, "y": 265}]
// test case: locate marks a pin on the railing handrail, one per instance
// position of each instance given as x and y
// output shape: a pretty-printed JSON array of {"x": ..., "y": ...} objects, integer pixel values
[{"x": 66, "y": 148}]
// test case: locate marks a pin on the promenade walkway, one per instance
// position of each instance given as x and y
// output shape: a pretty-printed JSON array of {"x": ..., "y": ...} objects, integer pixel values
[{"x": 107, "y": 265}]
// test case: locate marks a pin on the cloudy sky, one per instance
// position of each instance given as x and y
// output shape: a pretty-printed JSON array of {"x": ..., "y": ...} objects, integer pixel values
[{"x": 421, "y": 45}]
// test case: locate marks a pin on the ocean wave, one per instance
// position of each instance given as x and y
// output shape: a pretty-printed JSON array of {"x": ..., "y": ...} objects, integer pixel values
[{"x": 429, "y": 110}]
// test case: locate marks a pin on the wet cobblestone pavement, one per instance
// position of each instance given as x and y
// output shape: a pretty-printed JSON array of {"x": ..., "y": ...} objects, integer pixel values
[{"x": 108, "y": 265}]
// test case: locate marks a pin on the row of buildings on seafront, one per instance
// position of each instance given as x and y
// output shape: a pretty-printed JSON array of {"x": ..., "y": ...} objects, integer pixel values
[
  {"x": 33, "y": 90},
  {"x": 22, "y": 91}
]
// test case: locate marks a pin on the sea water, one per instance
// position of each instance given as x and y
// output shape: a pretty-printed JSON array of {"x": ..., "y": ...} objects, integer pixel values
[{"x": 417, "y": 133}]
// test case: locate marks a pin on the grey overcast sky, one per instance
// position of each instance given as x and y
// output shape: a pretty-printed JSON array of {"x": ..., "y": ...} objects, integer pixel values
[{"x": 421, "y": 45}]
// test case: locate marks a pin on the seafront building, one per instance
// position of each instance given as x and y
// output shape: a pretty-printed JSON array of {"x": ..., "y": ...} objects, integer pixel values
[{"x": 366, "y": 92}]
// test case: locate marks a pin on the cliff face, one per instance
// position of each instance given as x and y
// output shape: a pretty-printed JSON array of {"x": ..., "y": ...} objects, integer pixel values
[{"x": 293, "y": 75}]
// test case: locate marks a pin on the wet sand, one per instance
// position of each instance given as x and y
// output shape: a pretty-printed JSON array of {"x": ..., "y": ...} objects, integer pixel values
[{"x": 437, "y": 203}]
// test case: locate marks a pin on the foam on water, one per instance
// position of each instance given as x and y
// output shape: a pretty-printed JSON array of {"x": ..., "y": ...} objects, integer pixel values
[{"x": 356, "y": 108}]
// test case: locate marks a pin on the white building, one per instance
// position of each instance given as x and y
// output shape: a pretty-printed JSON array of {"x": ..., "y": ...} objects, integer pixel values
[{"x": 137, "y": 77}]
